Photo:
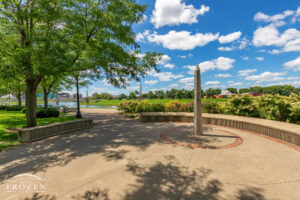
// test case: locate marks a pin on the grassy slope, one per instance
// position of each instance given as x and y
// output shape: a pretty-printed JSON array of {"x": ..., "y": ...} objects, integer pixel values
[
  {"x": 115, "y": 102},
  {"x": 16, "y": 119}
]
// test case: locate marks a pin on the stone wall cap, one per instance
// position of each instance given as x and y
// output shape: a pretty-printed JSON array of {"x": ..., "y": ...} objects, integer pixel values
[
  {"x": 292, "y": 128},
  {"x": 54, "y": 124}
]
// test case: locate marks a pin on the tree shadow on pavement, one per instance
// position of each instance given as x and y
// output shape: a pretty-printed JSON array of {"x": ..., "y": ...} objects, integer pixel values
[{"x": 109, "y": 132}]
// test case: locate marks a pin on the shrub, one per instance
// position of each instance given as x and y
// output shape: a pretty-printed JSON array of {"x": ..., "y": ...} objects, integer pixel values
[
  {"x": 173, "y": 106},
  {"x": 45, "y": 113},
  {"x": 3, "y": 107},
  {"x": 128, "y": 106},
  {"x": 14, "y": 108},
  {"x": 24, "y": 110},
  {"x": 243, "y": 105},
  {"x": 295, "y": 113},
  {"x": 212, "y": 107},
  {"x": 158, "y": 107},
  {"x": 274, "y": 107},
  {"x": 143, "y": 106},
  {"x": 187, "y": 107}
]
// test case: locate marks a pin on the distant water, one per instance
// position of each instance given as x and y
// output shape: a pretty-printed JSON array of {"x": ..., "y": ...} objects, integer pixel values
[{"x": 74, "y": 105}]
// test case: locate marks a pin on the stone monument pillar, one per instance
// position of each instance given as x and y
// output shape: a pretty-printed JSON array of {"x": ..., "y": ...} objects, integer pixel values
[{"x": 197, "y": 103}]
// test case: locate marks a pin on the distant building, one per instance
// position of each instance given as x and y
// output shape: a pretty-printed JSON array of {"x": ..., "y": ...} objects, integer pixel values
[
  {"x": 64, "y": 95},
  {"x": 225, "y": 94},
  {"x": 254, "y": 94},
  {"x": 75, "y": 96}
]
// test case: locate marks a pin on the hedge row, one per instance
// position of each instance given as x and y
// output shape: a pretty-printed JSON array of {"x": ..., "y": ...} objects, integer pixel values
[
  {"x": 272, "y": 107},
  {"x": 40, "y": 112},
  {"x": 12, "y": 108},
  {"x": 173, "y": 106}
]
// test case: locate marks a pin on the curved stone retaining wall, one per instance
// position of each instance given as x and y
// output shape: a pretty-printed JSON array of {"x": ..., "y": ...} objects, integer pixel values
[
  {"x": 289, "y": 133},
  {"x": 40, "y": 132}
]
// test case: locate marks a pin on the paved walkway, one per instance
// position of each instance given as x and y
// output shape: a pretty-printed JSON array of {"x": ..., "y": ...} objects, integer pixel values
[{"x": 126, "y": 159}]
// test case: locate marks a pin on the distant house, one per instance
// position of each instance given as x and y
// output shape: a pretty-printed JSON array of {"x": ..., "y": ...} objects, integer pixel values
[
  {"x": 225, "y": 94},
  {"x": 64, "y": 95},
  {"x": 254, "y": 94},
  {"x": 75, "y": 96}
]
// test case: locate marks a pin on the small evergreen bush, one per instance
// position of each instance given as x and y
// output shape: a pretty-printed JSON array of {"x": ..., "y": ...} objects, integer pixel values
[{"x": 45, "y": 113}]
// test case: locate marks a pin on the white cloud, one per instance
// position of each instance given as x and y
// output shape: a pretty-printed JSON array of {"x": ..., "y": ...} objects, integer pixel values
[
  {"x": 175, "y": 12},
  {"x": 238, "y": 44},
  {"x": 212, "y": 82},
  {"x": 164, "y": 59},
  {"x": 220, "y": 63},
  {"x": 165, "y": 76},
  {"x": 266, "y": 77},
  {"x": 185, "y": 56},
  {"x": 151, "y": 82},
  {"x": 182, "y": 40},
  {"x": 293, "y": 83},
  {"x": 170, "y": 66},
  {"x": 289, "y": 40},
  {"x": 260, "y": 58},
  {"x": 293, "y": 78},
  {"x": 277, "y": 19},
  {"x": 230, "y": 37},
  {"x": 293, "y": 65},
  {"x": 246, "y": 72},
  {"x": 235, "y": 84},
  {"x": 296, "y": 16},
  {"x": 175, "y": 85},
  {"x": 225, "y": 49},
  {"x": 223, "y": 75},
  {"x": 223, "y": 63},
  {"x": 187, "y": 80},
  {"x": 140, "y": 37},
  {"x": 133, "y": 88}
]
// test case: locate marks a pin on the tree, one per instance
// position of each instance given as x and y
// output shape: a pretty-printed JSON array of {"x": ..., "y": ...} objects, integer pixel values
[
  {"x": 211, "y": 92},
  {"x": 244, "y": 90},
  {"x": 232, "y": 90},
  {"x": 150, "y": 95},
  {"x": 122, "y": 96},
  {"x": 30, "y": 41},
  {"x": 105, "y": 95},
  {"x": 53, "y": 84},
  {"x": 171, "y": 94},
  {"x": 43, "y": 37},
  {"x": 160, "y": 94},
  {"x": 179, "y": 94},
  {"x": 132, "y": 95},
  {"x": 13, "y": 85},
  {"x": 189, "y": 94}
]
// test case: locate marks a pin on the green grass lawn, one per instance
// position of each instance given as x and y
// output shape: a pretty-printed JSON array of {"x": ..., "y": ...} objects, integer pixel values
[
  {"x": 116, "y": 102},
  {"x": 16, "y": 119}
]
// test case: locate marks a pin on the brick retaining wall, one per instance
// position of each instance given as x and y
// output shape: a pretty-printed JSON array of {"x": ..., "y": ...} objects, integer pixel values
[{"x": 40, "y": 132}]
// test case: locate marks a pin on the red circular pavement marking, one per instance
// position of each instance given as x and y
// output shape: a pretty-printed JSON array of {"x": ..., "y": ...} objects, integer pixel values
[
  {"x": 292, "y": 146},
  {"x": 238, "y": 141}
]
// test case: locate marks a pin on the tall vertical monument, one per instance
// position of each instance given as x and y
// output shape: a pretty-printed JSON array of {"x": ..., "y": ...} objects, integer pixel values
[{"x": 198, "y": 130}]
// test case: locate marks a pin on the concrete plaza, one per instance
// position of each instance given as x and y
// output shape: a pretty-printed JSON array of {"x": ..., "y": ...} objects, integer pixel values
[{"x": 125, "y": 159}]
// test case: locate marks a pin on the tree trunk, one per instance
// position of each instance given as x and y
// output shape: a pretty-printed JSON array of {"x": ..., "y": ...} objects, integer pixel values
[
  {"x": 78, "y": 115},
  {"x": 31, "y": 100},
  {"x": 45, "y": 98},
  {"x": 19, "y": 97}
]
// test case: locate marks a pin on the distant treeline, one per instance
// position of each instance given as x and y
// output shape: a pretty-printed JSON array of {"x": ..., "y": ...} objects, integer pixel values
[{"x": 284, "y": 90}]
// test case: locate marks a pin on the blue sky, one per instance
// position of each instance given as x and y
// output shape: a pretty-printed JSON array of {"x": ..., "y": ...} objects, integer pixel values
[{"x": 236, "y": 44}]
